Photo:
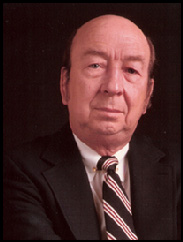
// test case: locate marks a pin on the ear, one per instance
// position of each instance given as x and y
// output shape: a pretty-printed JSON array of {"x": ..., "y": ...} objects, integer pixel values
[
  {"x": 64, "y": 85},
  {"x": 150, "y": 89}
]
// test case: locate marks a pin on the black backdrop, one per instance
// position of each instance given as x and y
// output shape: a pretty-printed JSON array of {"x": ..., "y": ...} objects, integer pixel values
[{"x": 34, "y": 39}]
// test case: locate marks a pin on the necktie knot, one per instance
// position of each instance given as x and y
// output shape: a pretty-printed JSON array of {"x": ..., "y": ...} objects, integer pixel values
[{"x": 107, "y": 163}]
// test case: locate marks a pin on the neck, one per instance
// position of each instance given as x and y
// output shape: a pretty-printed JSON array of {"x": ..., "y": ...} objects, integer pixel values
[{"x": 105, "y": 145}]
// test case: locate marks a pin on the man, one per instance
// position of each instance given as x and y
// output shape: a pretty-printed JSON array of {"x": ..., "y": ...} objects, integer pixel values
[{"x": 51, "y": 189}]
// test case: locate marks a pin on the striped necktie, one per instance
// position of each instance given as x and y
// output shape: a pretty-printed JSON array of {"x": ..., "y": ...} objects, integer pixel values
[{"x": 117, "y": 208}]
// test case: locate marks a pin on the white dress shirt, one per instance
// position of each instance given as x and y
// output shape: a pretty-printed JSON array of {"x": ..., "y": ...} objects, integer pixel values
[{"x": 90, "y": 159}]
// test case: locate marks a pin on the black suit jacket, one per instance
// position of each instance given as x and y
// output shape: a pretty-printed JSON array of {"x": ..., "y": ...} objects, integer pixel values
[{"x": 47, "y": 195}]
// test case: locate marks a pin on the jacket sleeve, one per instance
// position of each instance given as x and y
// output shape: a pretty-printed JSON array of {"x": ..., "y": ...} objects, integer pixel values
[{"x": 24, "y": 216}]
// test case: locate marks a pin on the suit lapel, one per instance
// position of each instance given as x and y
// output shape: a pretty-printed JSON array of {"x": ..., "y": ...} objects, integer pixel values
[
  {"x": 69, "y": 182},
  {"x": 151, "y": 192}
]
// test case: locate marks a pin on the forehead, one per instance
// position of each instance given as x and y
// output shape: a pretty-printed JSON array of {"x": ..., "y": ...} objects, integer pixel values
[{"x": 111, "y": 34}]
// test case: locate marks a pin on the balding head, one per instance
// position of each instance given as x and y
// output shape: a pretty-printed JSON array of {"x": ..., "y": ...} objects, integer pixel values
[
  {"x": 110, "y": 29},
  {"x": 111, "y": 22}
]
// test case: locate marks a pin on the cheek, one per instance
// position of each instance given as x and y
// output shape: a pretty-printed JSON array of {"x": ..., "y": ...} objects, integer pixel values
[
  {"x": 85, "y": 85},
  {"x": 135, "y": 95},
  {"x": 82, "y": 92}
]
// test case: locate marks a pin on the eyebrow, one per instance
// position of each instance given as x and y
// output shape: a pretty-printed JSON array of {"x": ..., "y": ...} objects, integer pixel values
[
  {"x": 96, "y": 53},
  {"x": 138, "y": 58}
]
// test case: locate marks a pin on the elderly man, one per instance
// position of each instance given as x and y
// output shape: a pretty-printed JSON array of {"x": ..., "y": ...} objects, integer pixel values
[{"x": 66, "y": 186}]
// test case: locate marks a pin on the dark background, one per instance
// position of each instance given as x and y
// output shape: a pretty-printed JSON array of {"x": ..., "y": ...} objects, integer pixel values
[{"x": 34, "y": 40}]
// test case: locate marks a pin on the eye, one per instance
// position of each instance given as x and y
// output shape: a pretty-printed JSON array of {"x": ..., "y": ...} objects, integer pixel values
[
  {"x": 94, "y": 66},
  {"x": 131, "y": 71}
]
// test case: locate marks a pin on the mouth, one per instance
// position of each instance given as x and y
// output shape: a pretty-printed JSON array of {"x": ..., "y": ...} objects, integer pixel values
[{"x": 109, "y": 110}]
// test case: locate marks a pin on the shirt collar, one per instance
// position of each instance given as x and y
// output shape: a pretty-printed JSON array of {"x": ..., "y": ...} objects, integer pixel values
[{"x": 91, "y": 157}]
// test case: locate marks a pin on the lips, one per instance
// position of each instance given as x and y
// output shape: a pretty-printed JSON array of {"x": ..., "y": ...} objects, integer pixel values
[{"x": 109, "y": 110}]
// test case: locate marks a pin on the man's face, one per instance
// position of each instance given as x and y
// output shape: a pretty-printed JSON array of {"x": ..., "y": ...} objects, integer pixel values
[{"x": 107, "y": 90}]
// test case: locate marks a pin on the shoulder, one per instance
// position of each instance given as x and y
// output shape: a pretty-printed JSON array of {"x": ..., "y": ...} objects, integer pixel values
[
  {"x": 31, "y": 154},
  {"x": 167, "y": 152},
  {"x": 170, "y": 149}
]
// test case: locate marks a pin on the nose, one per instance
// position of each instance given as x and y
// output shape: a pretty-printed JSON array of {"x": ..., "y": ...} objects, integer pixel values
[{"x": 113, "y": 82}]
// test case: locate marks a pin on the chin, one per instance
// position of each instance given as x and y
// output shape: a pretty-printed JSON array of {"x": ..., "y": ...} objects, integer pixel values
[{"x": 107, "y": 130}]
